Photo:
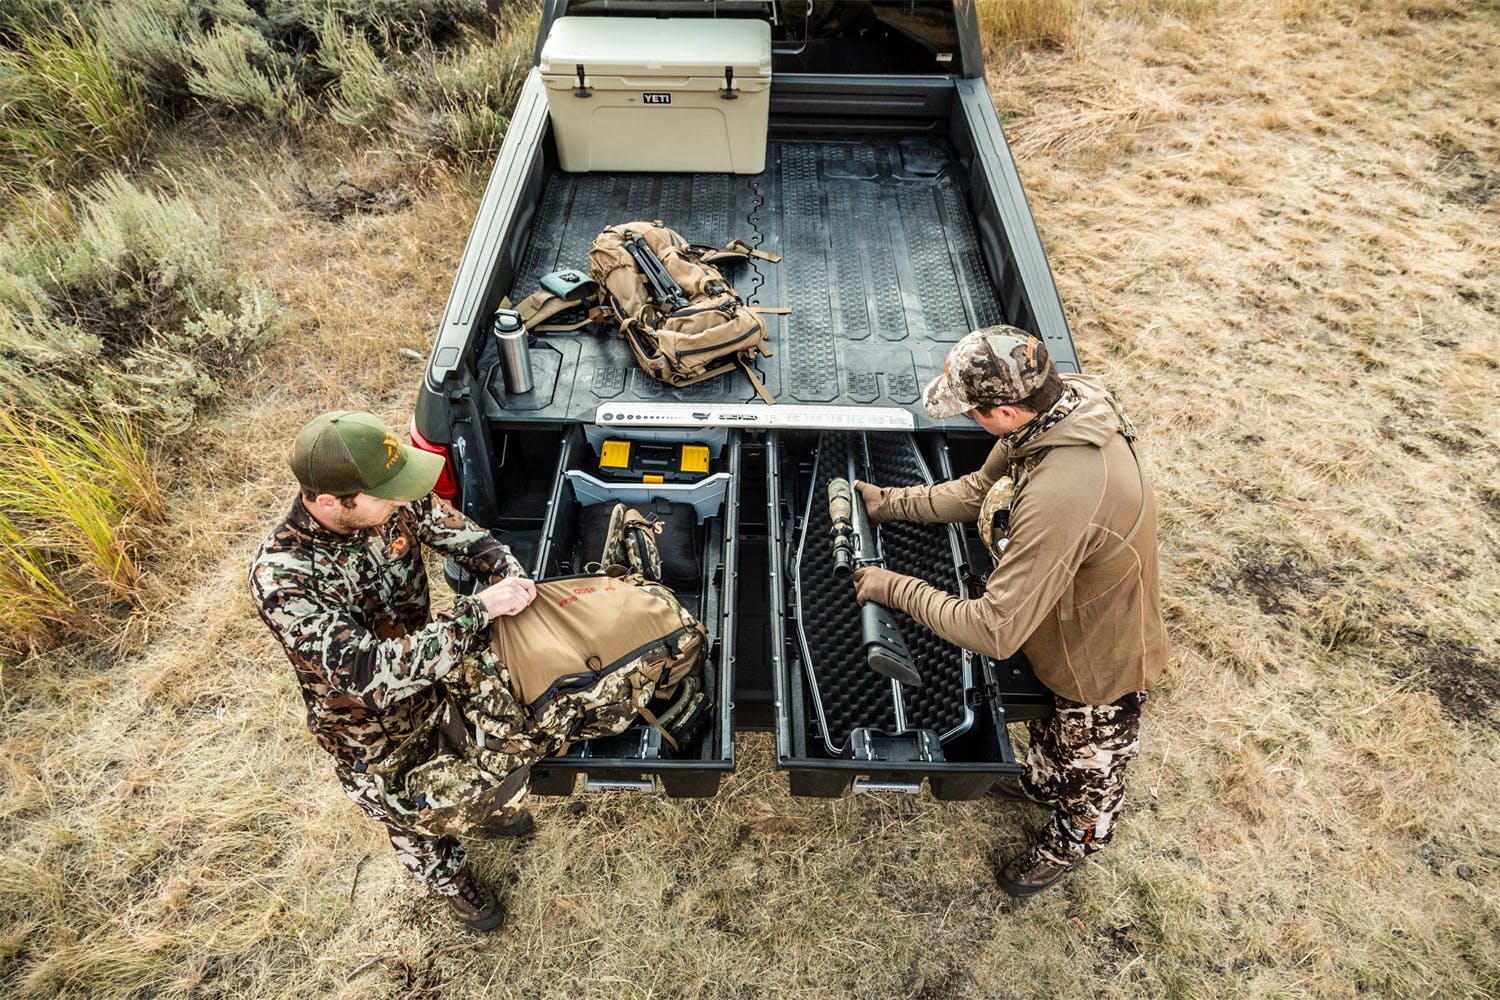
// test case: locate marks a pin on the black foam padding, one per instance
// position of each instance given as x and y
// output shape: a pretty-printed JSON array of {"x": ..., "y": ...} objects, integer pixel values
[
  {"x": 850, "y": 695},
  {"x": 881, "y": 268},
  {"x": 926, "y": 551}
]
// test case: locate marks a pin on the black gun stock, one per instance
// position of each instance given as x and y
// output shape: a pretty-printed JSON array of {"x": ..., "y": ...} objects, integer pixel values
[{"x": 856, "y": 543}]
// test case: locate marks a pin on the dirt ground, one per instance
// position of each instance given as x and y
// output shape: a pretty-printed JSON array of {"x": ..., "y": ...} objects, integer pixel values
[{"x": 1276, "y": 232}]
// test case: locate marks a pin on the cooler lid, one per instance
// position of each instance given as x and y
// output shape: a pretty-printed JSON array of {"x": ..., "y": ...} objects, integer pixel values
[{"x": 657, "y": 46}]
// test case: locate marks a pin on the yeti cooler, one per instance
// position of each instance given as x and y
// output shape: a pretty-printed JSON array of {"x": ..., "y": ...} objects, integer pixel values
[{"x": 683, "y": 95}]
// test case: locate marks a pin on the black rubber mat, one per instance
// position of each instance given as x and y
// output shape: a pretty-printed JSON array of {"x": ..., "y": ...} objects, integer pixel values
[
  {"x": 847, "y": 694},
  {"x": 881, "y": 268}
]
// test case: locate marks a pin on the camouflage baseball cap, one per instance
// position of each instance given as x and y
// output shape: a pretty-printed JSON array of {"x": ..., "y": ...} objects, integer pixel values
[
  {"x": 349, "y": 452},
  {"x": 995, "y": 366}
]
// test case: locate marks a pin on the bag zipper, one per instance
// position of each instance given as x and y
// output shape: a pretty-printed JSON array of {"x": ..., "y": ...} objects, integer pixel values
[
  {"x": 611, "y": 668},
  {"x": 758, "y": 333}
]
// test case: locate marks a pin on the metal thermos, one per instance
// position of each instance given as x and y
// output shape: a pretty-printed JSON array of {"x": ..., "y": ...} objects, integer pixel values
[{"x": 515, "y": 351}]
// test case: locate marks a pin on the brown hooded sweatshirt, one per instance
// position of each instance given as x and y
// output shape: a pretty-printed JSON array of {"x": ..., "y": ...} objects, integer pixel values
[{"x": 1069, "y": 517}]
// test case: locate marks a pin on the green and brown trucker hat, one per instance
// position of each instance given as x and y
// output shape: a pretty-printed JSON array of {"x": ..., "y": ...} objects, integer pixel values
[
  {"x": 348, "y": 452},
  {"x": 995, "y": 366}
]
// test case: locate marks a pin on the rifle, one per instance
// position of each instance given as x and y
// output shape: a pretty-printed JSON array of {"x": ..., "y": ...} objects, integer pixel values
[
  {"x": 856, "y": 543},
  {"x": 664, "y": 288}
]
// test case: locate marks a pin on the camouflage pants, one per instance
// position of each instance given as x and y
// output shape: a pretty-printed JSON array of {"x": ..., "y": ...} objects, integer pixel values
[
  {"x": 1077, "y": 759},
  {"x": 436, "y": 861}
]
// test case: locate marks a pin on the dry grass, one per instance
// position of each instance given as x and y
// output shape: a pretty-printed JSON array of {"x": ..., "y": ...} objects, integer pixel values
[
  {"x": 1275, "y": 230},
  {"x": 63, "y": 107},
  {"x": 1024, "y": 24},
  {"x": 79, "y": 498}
]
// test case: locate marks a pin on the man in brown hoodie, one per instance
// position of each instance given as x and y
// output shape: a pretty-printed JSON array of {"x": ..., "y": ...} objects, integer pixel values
[{"x": 1065, "y": 509}]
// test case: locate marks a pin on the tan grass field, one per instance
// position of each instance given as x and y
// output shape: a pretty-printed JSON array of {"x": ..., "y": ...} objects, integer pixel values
[{"x": 1276, "y": 230}]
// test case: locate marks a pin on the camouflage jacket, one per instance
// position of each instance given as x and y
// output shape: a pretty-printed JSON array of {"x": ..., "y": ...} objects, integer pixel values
[{"x": 351, "y": 611}]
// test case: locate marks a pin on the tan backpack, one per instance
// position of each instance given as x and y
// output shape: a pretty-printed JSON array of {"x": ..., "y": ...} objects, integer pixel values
[
  {"x": 589, "y": 653},
  {"x": 583, "y": 660},
  {"x": 709, "y": 332}
]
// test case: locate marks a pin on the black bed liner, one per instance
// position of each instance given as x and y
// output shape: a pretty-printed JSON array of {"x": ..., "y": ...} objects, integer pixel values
[{"x": 881, "y": 268}]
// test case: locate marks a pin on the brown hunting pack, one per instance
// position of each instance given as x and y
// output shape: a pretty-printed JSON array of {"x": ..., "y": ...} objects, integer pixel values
[
  {"x": 684, "y": 322},
  {"x": 586, "y": 659}
]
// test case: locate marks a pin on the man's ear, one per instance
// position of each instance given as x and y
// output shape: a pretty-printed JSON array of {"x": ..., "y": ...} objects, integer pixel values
[
  {"x": 1014, "y": 413},
  {"x": 327, "y": 503}
]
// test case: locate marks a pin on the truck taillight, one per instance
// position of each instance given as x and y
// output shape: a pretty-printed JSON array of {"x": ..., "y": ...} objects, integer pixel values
[{"x": 447, "y": 484}]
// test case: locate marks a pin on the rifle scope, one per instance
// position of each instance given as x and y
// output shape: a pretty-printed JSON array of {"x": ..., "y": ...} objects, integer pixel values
[{"x": 841, "y": 534}]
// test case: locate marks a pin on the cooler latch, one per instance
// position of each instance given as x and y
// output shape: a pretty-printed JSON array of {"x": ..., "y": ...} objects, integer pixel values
[
  {"x": 728, "y": 93},
  {"x": 583, "y": 88}
]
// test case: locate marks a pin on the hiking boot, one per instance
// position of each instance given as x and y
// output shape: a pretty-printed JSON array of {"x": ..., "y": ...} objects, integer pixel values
[
  {"x": 1030, "y": 874},
  {"x": 1009, "y": 786},
  {"x": 475, "y": 906},
  {"x": 521, "y": 826}
]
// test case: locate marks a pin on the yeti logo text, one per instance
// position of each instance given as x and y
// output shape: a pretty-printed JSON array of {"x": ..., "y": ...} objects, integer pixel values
[{"x": 656, "y": 98}]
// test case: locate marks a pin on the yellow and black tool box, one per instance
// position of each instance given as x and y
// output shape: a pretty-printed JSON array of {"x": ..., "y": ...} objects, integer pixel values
[{"x": 653, "y": 461}]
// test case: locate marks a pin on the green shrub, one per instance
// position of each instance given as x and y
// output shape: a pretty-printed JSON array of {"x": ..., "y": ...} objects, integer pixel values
[
  {"x": 134, "y": 312},
  {"x": 20, "y": 18},
  {"x": 364, "y": 89},
  {"x": 418, "y": 67},
  {"x": 463, "y": 98},
  {"x": 116, "y": 323},
  {"x": 149, "y": 40},
  {"x": 235, "y": 66},
  {"x": 63, "y": 107}
]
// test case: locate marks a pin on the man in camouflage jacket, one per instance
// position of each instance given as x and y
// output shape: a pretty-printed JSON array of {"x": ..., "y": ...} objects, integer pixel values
[
  {"x": 341, "y": 584},
  {"x": 1065, "y": 509}
]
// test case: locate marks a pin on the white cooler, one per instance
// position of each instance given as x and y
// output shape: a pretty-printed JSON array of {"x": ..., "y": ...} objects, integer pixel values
[{"x": 687, "y": 95}]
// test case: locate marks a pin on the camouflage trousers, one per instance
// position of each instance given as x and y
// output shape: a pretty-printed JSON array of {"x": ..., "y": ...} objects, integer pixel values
[
  {"x": 1077, "y": 760},
  {"x": 436, "y": 861}
]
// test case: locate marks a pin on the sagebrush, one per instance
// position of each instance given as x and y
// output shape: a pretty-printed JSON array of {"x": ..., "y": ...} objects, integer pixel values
[{"x": 133, "y": 311}]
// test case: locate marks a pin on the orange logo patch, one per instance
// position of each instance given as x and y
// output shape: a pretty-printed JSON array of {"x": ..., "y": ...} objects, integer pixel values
[
  {"x": 399, "y": 546},
  {"x": 392, "y": 450}
]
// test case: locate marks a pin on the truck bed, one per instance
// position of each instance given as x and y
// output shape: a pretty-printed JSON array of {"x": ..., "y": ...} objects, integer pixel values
[{"x": 881, "y": 268}]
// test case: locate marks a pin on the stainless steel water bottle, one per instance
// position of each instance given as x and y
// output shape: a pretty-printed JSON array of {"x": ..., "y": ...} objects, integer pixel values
[{"x": 515, "y": 351}]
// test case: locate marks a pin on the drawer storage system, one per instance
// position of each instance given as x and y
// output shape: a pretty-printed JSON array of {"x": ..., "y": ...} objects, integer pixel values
[
  {"x": 660, "y": 94},
  {"x": 764, "y": 588},
  {"x": 876, "y": 169}
]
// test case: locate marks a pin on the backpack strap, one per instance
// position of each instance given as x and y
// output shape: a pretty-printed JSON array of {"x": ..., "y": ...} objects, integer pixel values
[
  {"x": 755, "y": 382},
  {"x": 537, "y": 310},
  {"x": 734, "y": 250},
  {"x": 649, "y": 717}
]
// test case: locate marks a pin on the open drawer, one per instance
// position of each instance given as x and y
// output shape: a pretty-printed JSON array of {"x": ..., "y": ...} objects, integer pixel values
[
  {"x": 546, "y": 532},
  {"x": 839, "y": 724}
]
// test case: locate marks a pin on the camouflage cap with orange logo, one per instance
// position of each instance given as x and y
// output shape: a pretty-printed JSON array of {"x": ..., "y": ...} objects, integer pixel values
[
  {"x": 995, "y": 366},
  {"x": 348, "y": 452}
]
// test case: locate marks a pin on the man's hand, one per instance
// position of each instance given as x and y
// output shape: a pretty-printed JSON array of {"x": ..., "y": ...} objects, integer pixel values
[
  {"x": 508, "y": 597},
  {"x": 870, "y": 494},
  {"x": 874, "y": 583}
]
